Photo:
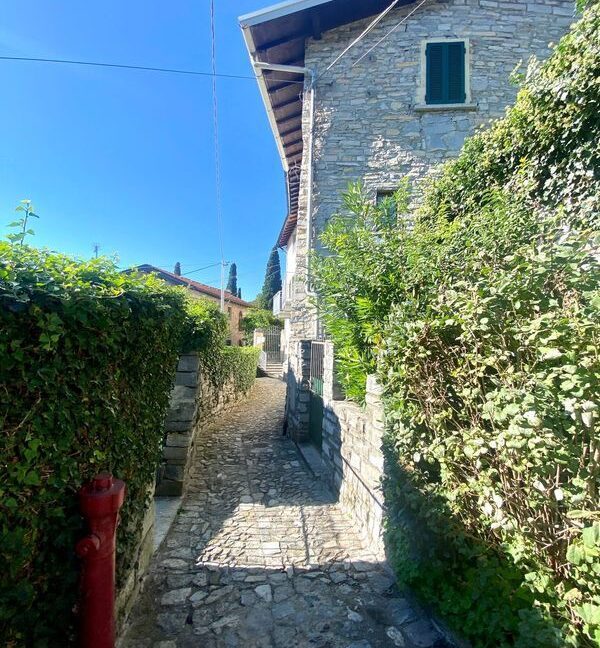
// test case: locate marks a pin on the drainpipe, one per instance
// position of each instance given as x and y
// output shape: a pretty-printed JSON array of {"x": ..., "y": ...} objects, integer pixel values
[{"x": 310, "y": 73}]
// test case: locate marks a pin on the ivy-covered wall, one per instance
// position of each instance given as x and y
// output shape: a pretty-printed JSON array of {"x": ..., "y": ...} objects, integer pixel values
[
  {"x": 87, "y": 361},
  {"x": 481, "y": 322}
]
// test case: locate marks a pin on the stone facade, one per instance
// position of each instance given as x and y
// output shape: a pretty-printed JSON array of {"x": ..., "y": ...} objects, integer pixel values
[
  {"x": 194, "y": 402},
  {"x": 297, "y": 379},
  {"x": 370, "y": 121}
]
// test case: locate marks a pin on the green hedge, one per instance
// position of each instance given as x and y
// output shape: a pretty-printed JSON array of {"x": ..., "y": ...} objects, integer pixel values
[
  {"x": 240, "y": 364},
  {"x": 482, "y": 323},
  {"x": 87, "y": 360},
  {"x": 205, "y": 328}
]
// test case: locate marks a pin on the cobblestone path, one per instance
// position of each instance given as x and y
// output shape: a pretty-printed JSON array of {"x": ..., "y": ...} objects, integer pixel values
[{"x": 260, "y": 555}]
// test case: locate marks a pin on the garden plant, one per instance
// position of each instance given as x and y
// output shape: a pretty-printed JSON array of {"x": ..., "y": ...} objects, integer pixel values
[{"x": 479, "y": 313}]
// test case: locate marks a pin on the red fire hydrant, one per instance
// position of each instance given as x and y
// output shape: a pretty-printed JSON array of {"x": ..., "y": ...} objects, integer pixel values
[{"x": 99, "y": 503}]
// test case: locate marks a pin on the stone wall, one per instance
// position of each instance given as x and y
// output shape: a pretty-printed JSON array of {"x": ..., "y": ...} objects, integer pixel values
[
  {"x": 194, "y": 401},
  {"x": 297, "y": 378},
  {"x": 351, "y": 440},
  {"x": 128, "y": 591},
  {"x": 370, "y": 124},
  {"x": 352, "y": 454}
]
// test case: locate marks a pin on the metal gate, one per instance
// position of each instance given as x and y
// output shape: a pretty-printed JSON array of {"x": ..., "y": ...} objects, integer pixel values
[
  {"x": 272, "y": 345},
  {"x": 315, "y": 422}
]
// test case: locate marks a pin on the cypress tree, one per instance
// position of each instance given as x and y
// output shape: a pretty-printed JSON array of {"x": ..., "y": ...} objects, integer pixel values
[
  {"x": 272, "y": 282},
  {"x": 239, "y": 293},
  {"x": 232, "y": 281}
]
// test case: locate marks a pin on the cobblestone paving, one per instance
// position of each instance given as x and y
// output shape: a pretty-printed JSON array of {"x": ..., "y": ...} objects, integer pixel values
[{"x": 261, "y": 556}]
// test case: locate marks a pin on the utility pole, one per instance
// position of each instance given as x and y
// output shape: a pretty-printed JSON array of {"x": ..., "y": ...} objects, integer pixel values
[{"x": 96, "y": 248}]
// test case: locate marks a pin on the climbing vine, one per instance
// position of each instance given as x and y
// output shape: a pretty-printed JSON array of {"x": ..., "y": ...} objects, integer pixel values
[{"x": 87, "y": 361}]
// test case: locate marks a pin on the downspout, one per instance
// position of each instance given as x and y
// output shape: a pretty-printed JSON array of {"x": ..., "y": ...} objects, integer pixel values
[
  {"x": 307, "y": 72},
  {"x": 309, "y": 195}
]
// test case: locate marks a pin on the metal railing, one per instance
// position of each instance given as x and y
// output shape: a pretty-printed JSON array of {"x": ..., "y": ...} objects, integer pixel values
[
  {"x": 317, "y": 357},
  {"x": 278, "y": 302},
  {"x": 281, "y": 300}
]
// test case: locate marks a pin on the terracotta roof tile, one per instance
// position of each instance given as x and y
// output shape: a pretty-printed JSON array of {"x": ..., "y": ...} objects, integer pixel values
[{"x": 178, "y": 280}]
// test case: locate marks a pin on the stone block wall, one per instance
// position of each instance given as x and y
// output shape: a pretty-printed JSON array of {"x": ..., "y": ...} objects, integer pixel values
[
  {"x": 351, "y": 440},
  {"x": 297, "y": 378},
  {"x": 194, "y": 401},
  {"x": 370, "y": 121},
  {"x": 352, "y": 454},
  {"x": 128, "y": 591}
]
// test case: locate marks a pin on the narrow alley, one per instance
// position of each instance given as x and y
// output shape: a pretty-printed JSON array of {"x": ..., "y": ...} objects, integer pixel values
[{"x": 260, "y": 555}]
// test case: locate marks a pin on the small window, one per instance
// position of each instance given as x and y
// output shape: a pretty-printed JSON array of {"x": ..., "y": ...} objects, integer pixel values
[
  {"x": 240, "y": 318},
  {"x": 445, "y": 72}
]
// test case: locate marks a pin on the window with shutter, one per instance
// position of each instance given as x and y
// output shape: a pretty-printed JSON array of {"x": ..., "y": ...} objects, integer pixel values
[{"x": 445, "y": 72}]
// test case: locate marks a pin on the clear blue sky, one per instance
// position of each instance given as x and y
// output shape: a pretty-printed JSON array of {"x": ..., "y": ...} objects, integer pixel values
[{"x": 125, "y": 158}]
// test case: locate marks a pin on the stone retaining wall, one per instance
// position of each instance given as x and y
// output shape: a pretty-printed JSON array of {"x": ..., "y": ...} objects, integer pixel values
[
  {"x": 351, "y": 440},
  {"x": 194, "y": 401},
  {"x": 352, "y": 454},
  {"x": 127, "y": 593}
]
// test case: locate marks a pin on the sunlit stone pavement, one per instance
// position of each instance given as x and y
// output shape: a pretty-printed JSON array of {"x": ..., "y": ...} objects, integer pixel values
[{"x": 260, "y": 555}]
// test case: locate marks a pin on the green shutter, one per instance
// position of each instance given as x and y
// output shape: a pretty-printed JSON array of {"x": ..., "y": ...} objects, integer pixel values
[
  {"x": 445, "y": 73},
  {"x": 435, "y": 76}
]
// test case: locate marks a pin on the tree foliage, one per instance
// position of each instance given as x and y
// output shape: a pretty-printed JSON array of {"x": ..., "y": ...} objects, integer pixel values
[
  {"x": 87, "y": 361},
  {"x": 232, "y": 286},
  {"x": 256, "y": 318},
  {"x": 272, "y": 282},
  {"x": 481, "y": 321}
]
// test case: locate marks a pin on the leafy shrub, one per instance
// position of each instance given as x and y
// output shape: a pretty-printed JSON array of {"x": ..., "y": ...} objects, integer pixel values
[
  {"x": 206, "y": 327},
  {"x": 482, "y": 323},
  {"x": 359, "y": 281},
  {"x": 87, "y": 359},
  {"x": 256, "y": 318},
  {"x": 239, "y": 363}
]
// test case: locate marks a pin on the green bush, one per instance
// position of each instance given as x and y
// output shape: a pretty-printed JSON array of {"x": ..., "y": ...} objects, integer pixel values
[
  {"x": 240, "y": 364},
  {"x": 256, "y": 318},
  {"x": 206, "y": 328},
  {"x": 482, "y": 323},
  {"x": 87, "y": 360}
]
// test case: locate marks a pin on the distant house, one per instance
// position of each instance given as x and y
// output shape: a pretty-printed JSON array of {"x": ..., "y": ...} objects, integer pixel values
[{"x": 235, "y": 307}]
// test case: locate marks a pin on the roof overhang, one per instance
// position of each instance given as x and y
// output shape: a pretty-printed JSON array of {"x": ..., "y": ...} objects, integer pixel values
[{"x": 277, "y": 35}]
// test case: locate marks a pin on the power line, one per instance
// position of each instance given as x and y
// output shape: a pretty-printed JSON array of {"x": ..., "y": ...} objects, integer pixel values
[
  {"x": 212, "y": 265},
  {"x": 136, "y": 67},
  {"x": 393, "y": 29},
  {"x": 357, "y": 40}
]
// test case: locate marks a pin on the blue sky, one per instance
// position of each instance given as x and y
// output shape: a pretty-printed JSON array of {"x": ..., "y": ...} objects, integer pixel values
[{"x": 125, "y": 158}]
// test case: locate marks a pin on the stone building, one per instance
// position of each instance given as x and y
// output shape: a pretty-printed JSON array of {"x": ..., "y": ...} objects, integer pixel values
[
  {"x": 374, "y": 91},
  {"x": 399, "y": 102},
  {"x": 235, "y": 308}
]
